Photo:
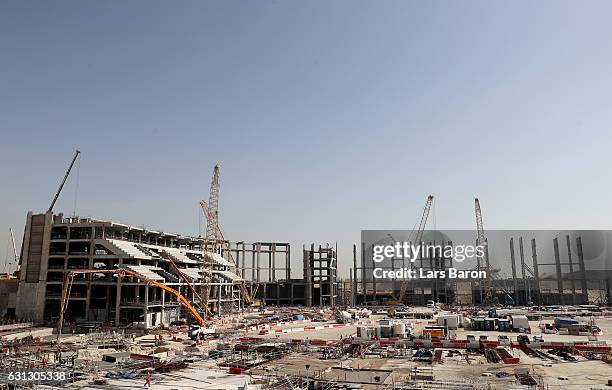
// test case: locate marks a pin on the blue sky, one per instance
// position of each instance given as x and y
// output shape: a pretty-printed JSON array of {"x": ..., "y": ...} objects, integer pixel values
[{"x": 326, "y": 117}]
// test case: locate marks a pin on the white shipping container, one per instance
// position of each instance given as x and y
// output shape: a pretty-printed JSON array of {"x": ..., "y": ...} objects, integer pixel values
[
  {"x": 450, "y": 321},
  {"x": 519, "y": 322}
]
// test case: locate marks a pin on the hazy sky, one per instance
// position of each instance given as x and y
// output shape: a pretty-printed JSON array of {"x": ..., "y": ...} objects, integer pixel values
[{"x": 326, "y": 117}]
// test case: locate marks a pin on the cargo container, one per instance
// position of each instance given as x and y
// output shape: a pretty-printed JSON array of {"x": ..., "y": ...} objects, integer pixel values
[
  {"x": 450, "y": 321},
  {"x": 564, "y": 322},
  {"x": 519, "y": 322},
  {"x": 435, "y": 332}
]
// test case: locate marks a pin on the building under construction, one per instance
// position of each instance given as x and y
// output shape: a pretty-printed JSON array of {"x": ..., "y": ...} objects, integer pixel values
[
  {"x": 60, "y": 256},
  {"x": 532, "y": 279},
  {"x": 55, "y": 245}
]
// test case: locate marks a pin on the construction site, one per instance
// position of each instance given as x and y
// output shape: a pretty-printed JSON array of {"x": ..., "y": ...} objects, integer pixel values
[{"x": 99, "y": 304}]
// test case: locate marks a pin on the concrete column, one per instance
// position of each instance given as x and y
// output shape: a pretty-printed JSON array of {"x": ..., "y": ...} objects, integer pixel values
[
  {"x": 257, "y": 258},
  {"x": 583, "y": 279},
  {"x": 363, "y": 273},
  {"x": 536, "y": 272},
  {"x": 146, "y": 305},
  {"x": 107, "y": 307},
  {"x": 558, "y": 270},
  {"x": 307, "y": 277},
  {"x": 118, "y": 302},
  {"x": 571, "y": 269},
  {"x": 219, "y": 303},
  {"x": 243, "y": 271},
  {"x": 270, "y": 265},
  {"x": 253, "y": 262},
  {"x": 288, "y": 262},
  {"x": 163, "y": 305},
  {"x": 354, "y": 277},
  {"x": 87, "y": 300},
  {"x": 273, "y": 262},
  {"x": 118, "y": 297}
]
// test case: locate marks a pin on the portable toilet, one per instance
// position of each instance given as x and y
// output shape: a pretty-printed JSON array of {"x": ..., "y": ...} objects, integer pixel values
[
  {"x": 399, "y": 329},
  {"x": 378, "y": 332}
]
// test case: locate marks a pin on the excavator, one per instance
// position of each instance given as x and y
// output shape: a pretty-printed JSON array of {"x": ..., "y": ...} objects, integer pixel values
[{"x": 122, "y": 272}]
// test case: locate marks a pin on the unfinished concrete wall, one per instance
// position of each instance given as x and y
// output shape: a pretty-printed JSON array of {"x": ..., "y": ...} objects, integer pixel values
[
  {"x": 8, "y": 297},
  {"x": 31, "y": 291}
]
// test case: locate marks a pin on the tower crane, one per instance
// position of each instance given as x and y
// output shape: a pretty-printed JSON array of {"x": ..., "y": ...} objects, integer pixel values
[
  {"x": 212, "y": 221},
  {"x": 481, "y": 240},
  {"x": 213, "y": 203},
  {"x": 120, "y": 272},
  {"x": 417, "y": 241}
]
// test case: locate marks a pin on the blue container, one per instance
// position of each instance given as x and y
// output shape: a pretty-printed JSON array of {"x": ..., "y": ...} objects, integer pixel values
[{"x": 564, "y": 321}]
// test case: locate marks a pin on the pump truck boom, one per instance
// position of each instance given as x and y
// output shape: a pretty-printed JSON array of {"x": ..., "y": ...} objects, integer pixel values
[{"x": 120, "y": 272}]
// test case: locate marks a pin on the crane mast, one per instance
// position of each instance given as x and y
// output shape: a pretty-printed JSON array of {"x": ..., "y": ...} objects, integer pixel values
[
  {"x": 417, "y": 241},
  {"x": 212, "y": 221},
  {"x": 213, "y": 204}
]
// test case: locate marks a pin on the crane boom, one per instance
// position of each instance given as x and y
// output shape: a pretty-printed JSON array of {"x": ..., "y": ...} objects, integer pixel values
[
  {"x": 14, "y": 247},
  {"x": 481, "y": 240},
  {"x": 121, "y": 272},
  {"x": 417, "y": 241},
  {"x": 59, "y": 191},
  {"x": 182, "y": 275}
]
